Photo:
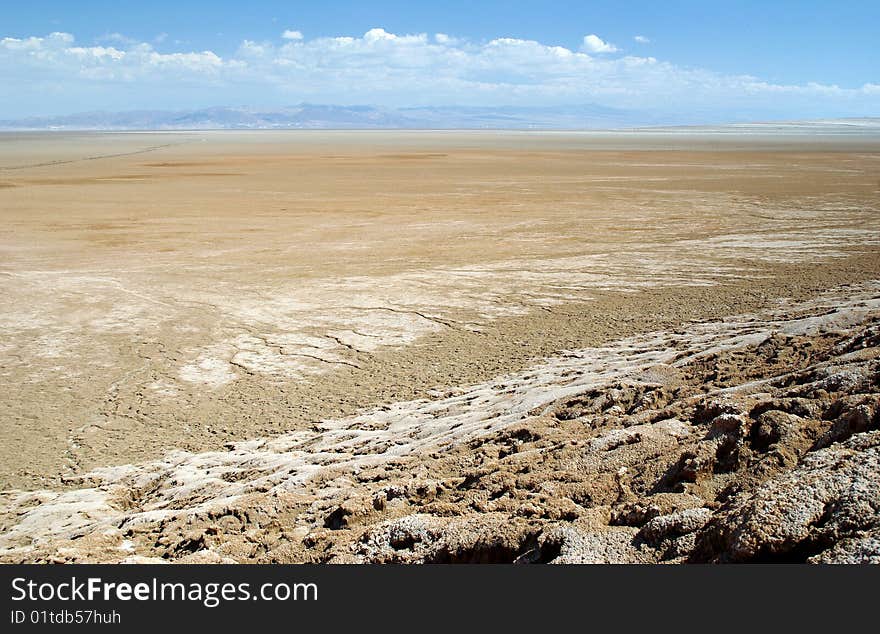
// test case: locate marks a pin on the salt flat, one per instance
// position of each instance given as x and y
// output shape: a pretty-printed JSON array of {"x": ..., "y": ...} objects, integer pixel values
[{"x": 178, "y": 291}]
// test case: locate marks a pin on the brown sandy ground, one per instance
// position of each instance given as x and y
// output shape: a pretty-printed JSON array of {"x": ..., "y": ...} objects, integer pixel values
[
  {"x": 760, "y": 447},
  {"x": 182, "y": 291},
  {"x": 431, "y": 347}
]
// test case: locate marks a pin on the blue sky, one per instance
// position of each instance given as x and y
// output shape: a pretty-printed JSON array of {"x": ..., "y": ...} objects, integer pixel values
[{"x": 714, "y": 60}]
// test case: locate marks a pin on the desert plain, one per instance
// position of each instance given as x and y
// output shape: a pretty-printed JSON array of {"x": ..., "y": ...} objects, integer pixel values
[{"x": 406, "y": 346}]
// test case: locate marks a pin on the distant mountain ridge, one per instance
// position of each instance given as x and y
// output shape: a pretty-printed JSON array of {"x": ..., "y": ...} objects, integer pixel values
[
  {"x": 307, "y": 116},
  {"x": 323, "y": 117}
]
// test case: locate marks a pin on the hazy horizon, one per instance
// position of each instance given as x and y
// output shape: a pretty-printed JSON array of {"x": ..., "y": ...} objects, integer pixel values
[{"x": 309, "y": 116}]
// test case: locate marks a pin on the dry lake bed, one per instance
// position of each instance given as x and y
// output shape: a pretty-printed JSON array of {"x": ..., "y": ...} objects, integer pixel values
[{"x": 369, "y": 346}]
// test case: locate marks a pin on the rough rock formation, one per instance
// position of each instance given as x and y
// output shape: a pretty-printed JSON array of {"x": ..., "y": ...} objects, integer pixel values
[
  {"x": 758, "y": 446},
  {"x": 828, "y": 508}
]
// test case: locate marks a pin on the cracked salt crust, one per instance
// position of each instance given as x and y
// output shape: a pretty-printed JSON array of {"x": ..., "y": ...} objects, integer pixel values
[
  {"x": 364, "y": 314},
  {"x": 211, "y": 371},
  {"x": 322, "y": 324},
  {"x": 185, "y": 483}
]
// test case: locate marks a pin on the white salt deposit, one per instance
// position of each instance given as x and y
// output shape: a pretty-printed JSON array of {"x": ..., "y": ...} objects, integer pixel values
[{"x": 184, "y": 483}]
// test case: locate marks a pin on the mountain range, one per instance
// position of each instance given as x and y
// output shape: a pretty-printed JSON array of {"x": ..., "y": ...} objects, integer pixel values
[{"x": 321, "y": 116}]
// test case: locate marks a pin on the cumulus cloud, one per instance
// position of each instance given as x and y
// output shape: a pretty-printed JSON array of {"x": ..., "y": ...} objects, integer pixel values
[
  {"x": 383, "y": 68},
  {"x": 641, "y": 39},
  {"x": 595, "y": 44}
]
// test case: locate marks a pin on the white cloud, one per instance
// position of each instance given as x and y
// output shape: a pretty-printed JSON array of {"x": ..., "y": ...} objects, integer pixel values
[
  {"x": 641, "y": 39},
  {"x": 96, "y": 52},
  {"x": 384, "y": 68},
  {"x": 36, "y": 45},
  {"x": 119, "y": 38},
  {"x": 595, "y": 44}
]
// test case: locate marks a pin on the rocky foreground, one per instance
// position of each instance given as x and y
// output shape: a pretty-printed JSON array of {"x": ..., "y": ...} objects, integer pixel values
[{"x": 750, "y": 439}]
